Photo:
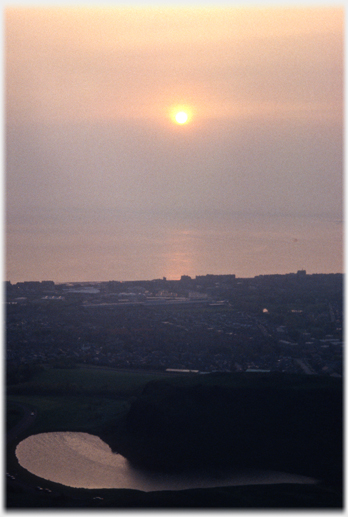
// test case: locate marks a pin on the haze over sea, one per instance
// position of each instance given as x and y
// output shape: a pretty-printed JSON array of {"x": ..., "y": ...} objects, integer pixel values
[
  {"x": 144, "y": 247},
  {"x": 103, "y": 182}
]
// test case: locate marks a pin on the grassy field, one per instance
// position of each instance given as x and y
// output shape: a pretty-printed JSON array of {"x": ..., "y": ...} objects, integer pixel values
[
  {"x": 91, "y": 381},
  {"x": 70, "y": 413},
  {"x": 13, "y": 415},
  {"x": 83, "y": 399}
]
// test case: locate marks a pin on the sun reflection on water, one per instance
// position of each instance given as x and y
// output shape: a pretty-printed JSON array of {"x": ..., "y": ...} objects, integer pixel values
[{"x": 81, "y": 460}]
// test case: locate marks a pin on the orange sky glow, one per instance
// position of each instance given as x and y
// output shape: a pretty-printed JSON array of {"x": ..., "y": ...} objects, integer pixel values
[
  {"x": 99, "y": 174},
  {"x": 94, "y": 63}
]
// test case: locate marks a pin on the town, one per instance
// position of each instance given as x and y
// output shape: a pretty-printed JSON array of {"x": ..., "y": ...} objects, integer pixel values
[{"x": 214, "y": 323}]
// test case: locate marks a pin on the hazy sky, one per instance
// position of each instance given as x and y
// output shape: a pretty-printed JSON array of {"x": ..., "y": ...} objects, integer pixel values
[{"x": 102, "y": 184}]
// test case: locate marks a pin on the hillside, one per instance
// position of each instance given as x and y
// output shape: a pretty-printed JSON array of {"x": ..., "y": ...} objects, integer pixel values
[{"x": 279, "y": 422}]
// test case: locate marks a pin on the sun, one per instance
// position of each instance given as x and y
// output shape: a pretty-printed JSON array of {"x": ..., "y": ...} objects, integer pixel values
[
  {"x": 181, "y": 117},
  {"x": 181, "y": 114}
]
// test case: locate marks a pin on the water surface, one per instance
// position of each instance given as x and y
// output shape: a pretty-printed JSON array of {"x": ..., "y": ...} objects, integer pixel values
[
  {"x": 244, "y": 245},
  {"x": 82, "y": 460}
]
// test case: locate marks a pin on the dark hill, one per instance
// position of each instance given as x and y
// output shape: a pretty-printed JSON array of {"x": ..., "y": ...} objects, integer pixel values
[{"x": 290, "y": 423}]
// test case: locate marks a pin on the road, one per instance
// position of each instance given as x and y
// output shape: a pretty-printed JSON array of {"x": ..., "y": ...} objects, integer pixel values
[{"x": 304, "y": 367}]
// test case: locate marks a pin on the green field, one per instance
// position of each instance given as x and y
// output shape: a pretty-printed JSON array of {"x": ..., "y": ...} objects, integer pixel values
[
  {"x": 71, "y": 413},
  {"x": 82, "y": 380},
  {"x": 13, "y": 415}
]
